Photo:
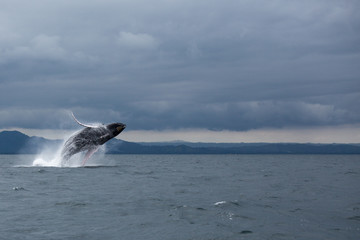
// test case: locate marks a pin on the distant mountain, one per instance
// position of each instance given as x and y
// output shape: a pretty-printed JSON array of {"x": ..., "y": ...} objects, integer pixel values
[
  {"x": 14, "y": 142},
  {"x": 122, "y": 147}
]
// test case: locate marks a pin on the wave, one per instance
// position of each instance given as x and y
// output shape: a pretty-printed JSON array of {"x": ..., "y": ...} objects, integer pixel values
[
  {"x": 99, "y": 166},
  {"x": 54, "y": 166}
]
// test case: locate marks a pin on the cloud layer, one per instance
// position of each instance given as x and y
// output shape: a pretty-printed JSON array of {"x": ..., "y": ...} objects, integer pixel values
[{"x": 220, "y": 65}]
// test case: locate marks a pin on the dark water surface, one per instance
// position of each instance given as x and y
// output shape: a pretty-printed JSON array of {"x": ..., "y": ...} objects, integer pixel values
[{"x": 182, "y": 197}]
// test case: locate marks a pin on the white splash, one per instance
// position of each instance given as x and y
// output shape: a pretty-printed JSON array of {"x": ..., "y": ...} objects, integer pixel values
[
  {"x": 50, "y": 156},
  {"x": 219, "y": 203}
]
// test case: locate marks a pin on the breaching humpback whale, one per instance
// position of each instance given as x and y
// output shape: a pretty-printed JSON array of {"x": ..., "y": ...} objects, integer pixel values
[{"x": 89, "y": 139}]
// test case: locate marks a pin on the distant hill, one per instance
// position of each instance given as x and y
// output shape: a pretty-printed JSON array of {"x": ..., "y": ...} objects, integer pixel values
[
  {"x": 14, "y": 142},
  {"x": 122, "y": 147}
]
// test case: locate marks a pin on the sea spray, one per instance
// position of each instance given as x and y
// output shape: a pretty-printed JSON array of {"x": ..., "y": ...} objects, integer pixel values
[{"x": 50, "y": 156}]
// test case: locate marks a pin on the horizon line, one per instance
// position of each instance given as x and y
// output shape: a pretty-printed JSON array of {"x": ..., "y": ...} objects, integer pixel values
[{"x": 345, "y": 134}]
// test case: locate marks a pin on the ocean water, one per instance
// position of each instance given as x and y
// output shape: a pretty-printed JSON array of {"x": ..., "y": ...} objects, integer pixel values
[{"x": 182, "y": 197}]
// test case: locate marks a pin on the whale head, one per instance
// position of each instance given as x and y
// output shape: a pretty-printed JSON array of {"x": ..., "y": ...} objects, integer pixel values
[{"x": 116, "y": 128}]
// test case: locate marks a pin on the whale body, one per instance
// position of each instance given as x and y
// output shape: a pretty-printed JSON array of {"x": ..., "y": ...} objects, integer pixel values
[{"x": 89, "y": 139}]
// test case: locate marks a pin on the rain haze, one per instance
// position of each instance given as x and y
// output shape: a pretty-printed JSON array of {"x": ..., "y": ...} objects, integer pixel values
[{"x": 210, "y": 71}]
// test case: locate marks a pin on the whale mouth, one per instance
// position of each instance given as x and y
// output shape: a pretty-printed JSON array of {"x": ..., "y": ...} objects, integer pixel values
[{"x": 121, "y": 128}]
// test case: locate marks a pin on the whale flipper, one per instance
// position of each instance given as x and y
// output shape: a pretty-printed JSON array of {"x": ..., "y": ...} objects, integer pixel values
[
  {"x": 89, "y": 154},
  {"x": 82, "y": 124}
]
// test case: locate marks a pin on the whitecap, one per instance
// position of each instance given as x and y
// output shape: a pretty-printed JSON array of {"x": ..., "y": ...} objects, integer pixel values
[{"x": 219, "y": 203}]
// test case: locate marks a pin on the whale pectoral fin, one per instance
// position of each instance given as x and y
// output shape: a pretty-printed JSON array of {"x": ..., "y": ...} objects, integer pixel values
[
  {"x": 82, "y": 124},
  {"x": 89, "y": 154}
]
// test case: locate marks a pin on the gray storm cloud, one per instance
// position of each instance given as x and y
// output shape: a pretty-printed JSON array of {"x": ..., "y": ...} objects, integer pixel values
[{"x": 233, "y": 65}]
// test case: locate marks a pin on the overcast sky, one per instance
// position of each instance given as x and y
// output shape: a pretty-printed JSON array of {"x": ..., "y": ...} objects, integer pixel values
[{"x": 232, "y": 66}]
